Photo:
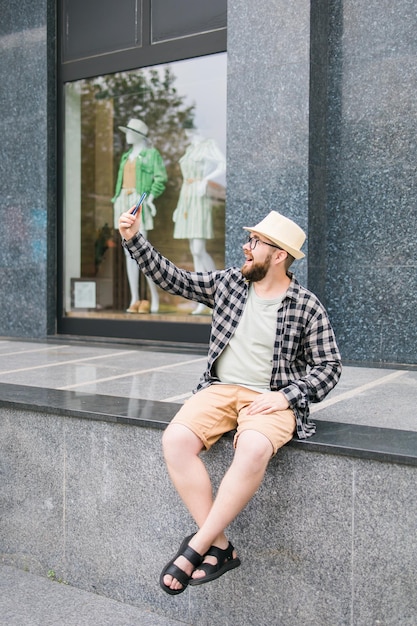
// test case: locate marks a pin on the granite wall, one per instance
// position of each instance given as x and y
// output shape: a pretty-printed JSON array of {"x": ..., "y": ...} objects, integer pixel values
[
  {"x": 368, "y": 156},
  {"x": 329, "y": 138},
  {"x": 321, "y": 125},
  {"x": 27, "y": 168},
  {"x": 268, "y": 119},
  {"x": 326, "y": 540}
]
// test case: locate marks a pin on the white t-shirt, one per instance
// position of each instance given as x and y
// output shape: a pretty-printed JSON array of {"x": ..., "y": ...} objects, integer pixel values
[{"x": 247, "y": 359}]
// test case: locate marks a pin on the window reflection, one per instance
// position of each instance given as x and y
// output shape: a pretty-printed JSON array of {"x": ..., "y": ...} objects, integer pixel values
[{"x": 161, "y": 130}]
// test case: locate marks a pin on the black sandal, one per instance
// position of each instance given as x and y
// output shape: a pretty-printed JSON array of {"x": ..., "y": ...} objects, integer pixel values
[
  {"x": 173, "y": 570},
  {"x": 225, "y": 562}
]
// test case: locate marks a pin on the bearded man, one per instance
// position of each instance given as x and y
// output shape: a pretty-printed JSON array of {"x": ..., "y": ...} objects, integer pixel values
[{"x": 272, "y": 351}]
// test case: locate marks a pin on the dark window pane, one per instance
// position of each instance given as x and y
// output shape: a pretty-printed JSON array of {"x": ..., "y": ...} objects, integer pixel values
[
  {"x": 171, "y": 20},
  {"x": 98, "y": 26}
]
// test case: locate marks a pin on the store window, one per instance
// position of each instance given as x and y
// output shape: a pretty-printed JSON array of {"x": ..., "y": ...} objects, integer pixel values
[{"x": 159, "y": 130}]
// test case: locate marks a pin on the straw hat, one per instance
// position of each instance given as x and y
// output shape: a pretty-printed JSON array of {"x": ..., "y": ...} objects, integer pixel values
[
  {"x": 282, "y": 231},
  {"x": 137, "y": 126}
]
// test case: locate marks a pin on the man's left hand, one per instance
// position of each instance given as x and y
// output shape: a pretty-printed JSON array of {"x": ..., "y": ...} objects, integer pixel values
[{"x": 268, "y": 402}]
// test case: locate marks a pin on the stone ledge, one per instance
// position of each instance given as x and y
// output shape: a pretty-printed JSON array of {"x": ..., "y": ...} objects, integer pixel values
[
  {"x": 388, "y": 445},
  {"x": 368, "y": 442}
]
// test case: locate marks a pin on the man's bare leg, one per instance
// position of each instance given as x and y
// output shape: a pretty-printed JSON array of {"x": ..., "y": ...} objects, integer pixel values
[
  {"x": 191, "y": 480},
  {"x": 190, "y": 477},
  {"x": 239, "y": 485}
]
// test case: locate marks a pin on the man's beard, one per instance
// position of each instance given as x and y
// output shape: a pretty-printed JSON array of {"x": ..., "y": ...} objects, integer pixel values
[{"x": 257, "y": 271}]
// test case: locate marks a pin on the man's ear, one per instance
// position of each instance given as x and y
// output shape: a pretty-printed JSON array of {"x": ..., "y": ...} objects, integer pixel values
[{"x": 280, "y": 256}]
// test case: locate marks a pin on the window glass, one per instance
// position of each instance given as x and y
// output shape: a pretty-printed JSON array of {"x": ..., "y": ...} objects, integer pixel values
[
  {"x": 161, "y": 130},
  {"x": 171, "y": 20}
]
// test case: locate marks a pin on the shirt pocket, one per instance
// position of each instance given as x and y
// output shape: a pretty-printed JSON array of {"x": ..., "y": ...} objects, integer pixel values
[
  {"x": 292, "y": 338},
  {"x": 146, "y": 168}
]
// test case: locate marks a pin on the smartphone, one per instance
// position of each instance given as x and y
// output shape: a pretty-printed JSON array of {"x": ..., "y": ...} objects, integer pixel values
[{"x": 141, "y": 199}]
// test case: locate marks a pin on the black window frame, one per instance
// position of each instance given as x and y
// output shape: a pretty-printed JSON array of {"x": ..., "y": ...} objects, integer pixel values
[{"x": 146, "y": 55}]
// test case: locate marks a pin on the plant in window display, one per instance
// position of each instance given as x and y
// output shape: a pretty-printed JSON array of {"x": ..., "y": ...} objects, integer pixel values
[{"x": 103, "y": 242}]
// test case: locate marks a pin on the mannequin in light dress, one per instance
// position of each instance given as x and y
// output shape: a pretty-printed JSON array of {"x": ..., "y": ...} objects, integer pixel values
[
  {"x": 141, "y": 169},
  {"x": 202, "y": 162}
]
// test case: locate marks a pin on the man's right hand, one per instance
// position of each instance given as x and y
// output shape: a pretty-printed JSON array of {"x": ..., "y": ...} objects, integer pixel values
[{"x": 129, "y": 224}]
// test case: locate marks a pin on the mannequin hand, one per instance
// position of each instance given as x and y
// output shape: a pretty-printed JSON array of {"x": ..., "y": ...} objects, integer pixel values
[
  {"x": 268, "y": 403},
  {"x": 150, "y": 204},
  {"x": 202, "y": 188},
  {"x": 129, "y": 224}
]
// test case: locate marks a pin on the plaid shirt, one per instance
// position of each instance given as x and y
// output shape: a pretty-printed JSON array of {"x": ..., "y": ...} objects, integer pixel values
[{"x": 306, "y": 361}]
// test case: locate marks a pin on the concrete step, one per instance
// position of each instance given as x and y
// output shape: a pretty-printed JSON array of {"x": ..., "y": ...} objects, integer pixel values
[{"x": 30, "y": 600}]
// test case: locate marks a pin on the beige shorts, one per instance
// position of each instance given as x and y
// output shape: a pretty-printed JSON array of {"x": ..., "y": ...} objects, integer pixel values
[{"x": 220, "y": 408}]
